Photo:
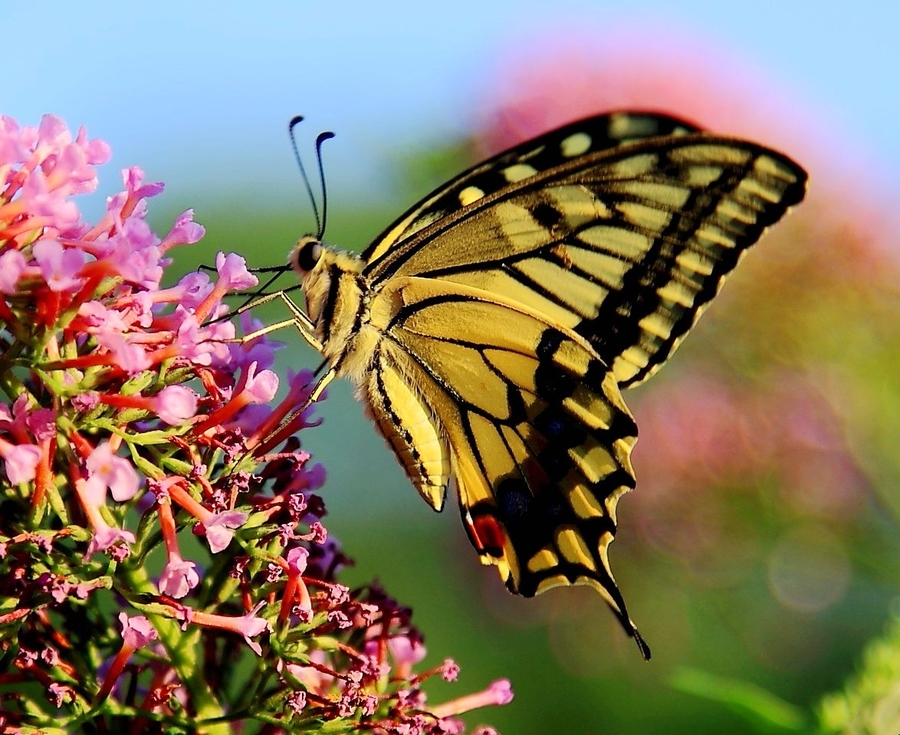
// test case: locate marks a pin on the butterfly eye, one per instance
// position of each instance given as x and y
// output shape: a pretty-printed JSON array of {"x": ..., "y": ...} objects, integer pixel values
[{"x": 306, "y": 254}]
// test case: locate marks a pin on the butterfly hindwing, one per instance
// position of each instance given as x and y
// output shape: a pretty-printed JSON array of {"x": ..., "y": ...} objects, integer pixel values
[{"x": 538, "y": 437}]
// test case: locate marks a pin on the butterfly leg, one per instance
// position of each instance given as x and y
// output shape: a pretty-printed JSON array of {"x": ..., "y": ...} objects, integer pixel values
[
  {"x": 299, "y": 320},
  {"x": 265, "y": 439}
]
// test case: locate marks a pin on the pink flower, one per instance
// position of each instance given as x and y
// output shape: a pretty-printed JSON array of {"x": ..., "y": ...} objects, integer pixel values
[
  {"x": 60, "y": 694},
  {"x": 184, "y": 232},
  {"x": 20, "y": 460},
  {"x": 259, "y": 387},
  {"x": 59, "y": 266},
  {"x": 91, "y": 494},
  {"x": 497, "y": 693},
  {"x": 406, "y": 652},
  {"x": 297, "y": 559},
  {"x": 273, "y": 430},
  {"x": 233, "y": 273},
  {"x": 143, "y": 266},
  {"x": 248, "y": 625},
  {"x": 189, "y": 292},
  {"x": 41, "y": 423},
  {"x": 297, "y": 701},
  {"x": 220, "y": 528},
  {"x": 131, "y": 357},
  {"x": 107, "y": 470},
  {"x": 450, "y": 670},
  {"x": 178, "y": 578},
  {"x": 12, "y": 266},
  {"x": 175, "y": 404},
  {"x": 137, "y": 631},
  {"x": 261, "y": 351},
  {"x": 107, "y": 538},
  {"x": 13, "y": 148},
  {"x": 254, "y": 387},
  {"x": 136, "y": 189}
]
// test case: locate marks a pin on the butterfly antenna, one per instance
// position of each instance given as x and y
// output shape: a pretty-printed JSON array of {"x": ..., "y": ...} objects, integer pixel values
[
  {"x": 297, "y": 119},
  {"x": 327, "y": 135}
]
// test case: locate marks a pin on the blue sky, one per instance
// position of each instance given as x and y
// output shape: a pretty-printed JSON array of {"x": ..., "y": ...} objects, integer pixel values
[{"x": 199, "y": 93}]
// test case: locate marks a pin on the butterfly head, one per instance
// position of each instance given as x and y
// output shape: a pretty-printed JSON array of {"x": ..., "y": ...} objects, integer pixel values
[
  {"x": 306, "y": 255},
  {"x": 331, "y": 283},
  {"x": 312, "y": 270}
]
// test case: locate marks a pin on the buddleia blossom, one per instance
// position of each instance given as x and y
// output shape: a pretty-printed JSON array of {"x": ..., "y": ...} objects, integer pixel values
[{"x": 133, "y": 420}]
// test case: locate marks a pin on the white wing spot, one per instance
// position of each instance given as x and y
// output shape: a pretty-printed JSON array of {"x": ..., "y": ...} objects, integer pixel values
[
  {"x": 470, "y": 194},
  {"x": 755, "y": 187},
  {"x": 656, "y": 325},
  {"x": 575, "y": 145},
  {"x": 696, "y": 262},
  {"x": 677, "y": 294},
  {"x": 518, "y": 171}
]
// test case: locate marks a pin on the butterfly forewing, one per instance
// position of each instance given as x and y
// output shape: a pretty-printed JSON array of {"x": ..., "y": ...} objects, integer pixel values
[
  {"x": 541, "y": 154},
  {"x": 626, "y": 245}
]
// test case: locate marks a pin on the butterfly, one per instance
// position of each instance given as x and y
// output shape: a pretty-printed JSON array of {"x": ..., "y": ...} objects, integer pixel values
[{"x": 491, "y": 329}]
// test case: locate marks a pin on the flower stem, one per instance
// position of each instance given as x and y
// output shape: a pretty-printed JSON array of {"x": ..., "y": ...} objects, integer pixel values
[{"x": 181, "y": 647}]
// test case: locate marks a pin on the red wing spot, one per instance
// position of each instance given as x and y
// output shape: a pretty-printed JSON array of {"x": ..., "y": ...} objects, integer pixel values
[{"x": 487, "y": 535}]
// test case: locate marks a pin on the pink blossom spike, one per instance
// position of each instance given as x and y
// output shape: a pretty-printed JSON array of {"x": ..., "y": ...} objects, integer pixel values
[{"x": 120, "y": 385}]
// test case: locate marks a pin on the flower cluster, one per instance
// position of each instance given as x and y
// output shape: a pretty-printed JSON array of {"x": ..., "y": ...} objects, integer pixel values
[{"x": 159, "y": 560}]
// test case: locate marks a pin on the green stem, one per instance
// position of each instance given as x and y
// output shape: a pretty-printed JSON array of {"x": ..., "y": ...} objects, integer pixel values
[{"x": 182, "y": 648}]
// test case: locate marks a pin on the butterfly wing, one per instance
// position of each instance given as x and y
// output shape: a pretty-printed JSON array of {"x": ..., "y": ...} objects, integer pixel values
[
  {"x": 525, "y": 418},
  {"x": 494, "y": 324},
  {"x": 625, "y": 244}
]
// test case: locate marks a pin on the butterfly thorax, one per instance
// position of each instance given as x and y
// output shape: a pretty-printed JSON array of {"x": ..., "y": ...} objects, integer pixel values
[{"x": 351, "y": 320}]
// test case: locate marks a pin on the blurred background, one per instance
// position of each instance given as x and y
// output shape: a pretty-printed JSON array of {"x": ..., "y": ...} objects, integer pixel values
[{"x": 759, "y": 554}]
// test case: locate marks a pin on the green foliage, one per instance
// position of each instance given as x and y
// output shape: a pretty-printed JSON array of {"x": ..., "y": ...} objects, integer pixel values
[
  {"x": 758, "y": 706},
  {"x": 869, "y": 703}
]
